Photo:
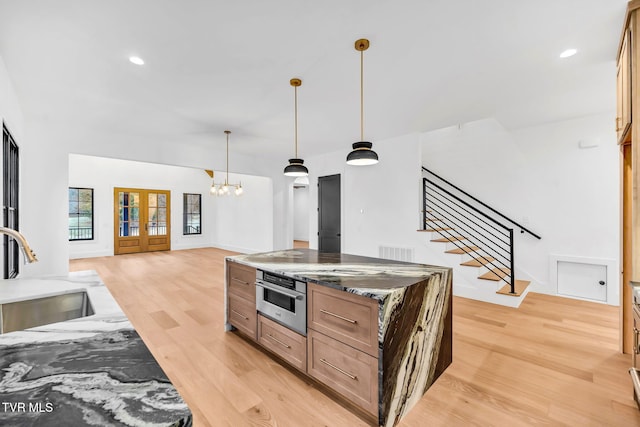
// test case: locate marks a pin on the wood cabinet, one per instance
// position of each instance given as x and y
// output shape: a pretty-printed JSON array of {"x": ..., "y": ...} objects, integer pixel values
[
  {"x": 377, "y": 350},
  {"x": 628, "y": 133},
  {"x": 623, "y": 89},
  {"x": 342, "y": 344},
  {"x": 241, "y": 298},
  {"x": 350, "y": 372},
  {"x": 284, "y": 342},
  {"x": 351, "y": 319}
]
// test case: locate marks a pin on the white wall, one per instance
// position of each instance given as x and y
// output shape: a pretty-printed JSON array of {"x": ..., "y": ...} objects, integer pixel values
[
  {"x": 11, "y": 115},
  {"x": 380, "y": 204},
  {"x": 229, "y": 222},
  {"x": 301, "y": 213},
  {"x": 103, "y": 175},
  {"x": 10, "y": 112},
  {"x": 539, "y": 176},
  {"x": 244, "y": 224}
]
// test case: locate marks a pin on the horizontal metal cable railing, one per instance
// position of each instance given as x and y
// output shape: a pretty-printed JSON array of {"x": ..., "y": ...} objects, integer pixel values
[{"x": 482, "y": 233}]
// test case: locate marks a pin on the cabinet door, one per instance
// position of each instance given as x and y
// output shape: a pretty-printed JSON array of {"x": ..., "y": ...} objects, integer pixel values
[
  {"x": 352, "y": 319},
  {"x": 284, "y": 342},
  {"x": 350, "y": 372},
  {"x": 243, "y": 315},
  {"x": 623, "y": 87},
  {"x": 241, "y": 281}
]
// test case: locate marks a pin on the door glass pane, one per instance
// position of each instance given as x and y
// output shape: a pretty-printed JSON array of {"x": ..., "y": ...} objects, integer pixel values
[
  {"x": 153, "y": 221},
  {"x": 153, "y": 200},
  {"x": 128, "y": 214},
  {"x": 162, "y": 200},
  {"x": 162, "y": 221}
]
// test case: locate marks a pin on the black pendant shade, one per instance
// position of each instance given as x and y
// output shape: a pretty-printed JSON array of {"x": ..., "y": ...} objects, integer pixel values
[
  {"x": 362, "y": 154},
  {"x": 296, "y": 168}
]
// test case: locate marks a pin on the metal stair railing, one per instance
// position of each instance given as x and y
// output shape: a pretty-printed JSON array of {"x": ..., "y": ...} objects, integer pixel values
[{"x": 460, "y": 218}]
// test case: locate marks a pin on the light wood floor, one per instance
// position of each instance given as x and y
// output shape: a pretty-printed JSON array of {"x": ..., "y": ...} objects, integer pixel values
[
  {"x": 300, "y": 244},
  {"x": 553, "y": 361}
]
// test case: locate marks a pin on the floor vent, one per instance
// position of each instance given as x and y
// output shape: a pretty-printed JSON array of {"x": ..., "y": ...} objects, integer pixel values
[{"x": 396, "y": 254}]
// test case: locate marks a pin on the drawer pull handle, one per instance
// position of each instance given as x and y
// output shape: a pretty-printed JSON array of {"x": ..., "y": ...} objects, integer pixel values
[
  {"x": 278, "y": 341},
  {"x": 338, "y": 316},
  {"x": 240, "y": 314},
  {"x": 353, "y": 377},
  {"x": 241, "y": 281}
]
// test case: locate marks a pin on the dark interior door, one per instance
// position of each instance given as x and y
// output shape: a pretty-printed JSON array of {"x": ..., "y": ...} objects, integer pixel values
[{"x": 329, "y": 213}]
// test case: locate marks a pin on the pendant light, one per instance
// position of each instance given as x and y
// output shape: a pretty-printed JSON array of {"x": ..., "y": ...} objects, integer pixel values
[
  {"x": 362, "y": 154},
  {"x": 225, "y": 189},
  {"x": 296, "y": 166}
]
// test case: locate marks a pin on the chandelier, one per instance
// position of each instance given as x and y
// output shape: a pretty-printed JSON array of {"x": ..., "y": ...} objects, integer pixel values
[{"x": 225, "y": 188}]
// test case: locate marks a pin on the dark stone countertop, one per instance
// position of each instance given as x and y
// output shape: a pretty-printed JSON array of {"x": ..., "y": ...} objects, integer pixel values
[
  {"x": 90, "y": 371},
  {"x": 371, "y": 277}
]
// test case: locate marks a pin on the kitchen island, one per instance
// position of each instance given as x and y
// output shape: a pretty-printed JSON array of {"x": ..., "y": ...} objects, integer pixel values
[
  {"x": 89, "y": 371},
  {"x": 378, "y": 331}
]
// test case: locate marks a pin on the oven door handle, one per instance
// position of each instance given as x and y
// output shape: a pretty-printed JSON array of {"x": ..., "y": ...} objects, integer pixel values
[{"x": 279, "y": 290}]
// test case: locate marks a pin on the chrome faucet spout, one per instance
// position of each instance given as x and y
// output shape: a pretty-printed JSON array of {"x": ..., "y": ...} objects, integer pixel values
[{"x": 29, "y": 255}]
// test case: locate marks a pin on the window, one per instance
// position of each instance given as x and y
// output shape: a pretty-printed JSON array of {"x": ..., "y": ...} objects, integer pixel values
[
  {"x": 10, "y": 162},
  {"x": 80, "y": 213},
  {"x": 191, "y": 214}
]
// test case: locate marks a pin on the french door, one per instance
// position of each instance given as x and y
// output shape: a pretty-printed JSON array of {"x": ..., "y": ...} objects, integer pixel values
[{"x": 142, "y": 220}]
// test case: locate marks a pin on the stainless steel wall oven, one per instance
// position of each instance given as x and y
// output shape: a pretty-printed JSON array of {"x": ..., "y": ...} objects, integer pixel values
[{"x": 282, "y": 299}]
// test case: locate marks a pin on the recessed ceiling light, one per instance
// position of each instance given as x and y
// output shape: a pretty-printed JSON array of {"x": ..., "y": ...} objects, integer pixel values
[
  {"x": 136, "y": 60},
  {"x": 569, "y": 52}
]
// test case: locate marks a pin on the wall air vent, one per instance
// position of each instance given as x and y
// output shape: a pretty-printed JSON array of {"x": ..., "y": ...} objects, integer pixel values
[{"x": 395, "y": 253}]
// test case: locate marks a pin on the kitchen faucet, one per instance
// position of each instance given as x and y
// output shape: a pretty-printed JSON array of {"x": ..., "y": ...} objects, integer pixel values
[{"x": 29, "y": 256}]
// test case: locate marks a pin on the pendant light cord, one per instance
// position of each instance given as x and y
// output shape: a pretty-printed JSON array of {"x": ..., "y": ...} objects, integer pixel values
[
  {"x": 295, "y": 88},
  {"x": 361, "y": 95},
  {"x": 227, "y": 178}
]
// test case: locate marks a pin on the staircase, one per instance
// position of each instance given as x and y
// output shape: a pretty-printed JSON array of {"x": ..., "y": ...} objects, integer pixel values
[{"x": 481, "y": 237}]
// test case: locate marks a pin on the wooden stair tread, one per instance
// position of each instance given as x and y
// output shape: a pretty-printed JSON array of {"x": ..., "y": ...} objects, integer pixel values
[
  {"x": 449, "y": 239},
  {"x": 520, "y": 286},
  {"x": 462, "y": 250},
  {"x": 478, "y": 262},
  {"x": 495, "y": 274},
  {"x": 440, "y": 229}
]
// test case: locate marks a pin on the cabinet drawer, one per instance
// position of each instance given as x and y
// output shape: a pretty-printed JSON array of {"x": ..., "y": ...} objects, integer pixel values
[
  {"x": 284, "y": 342},
  {"x": 243, "y": 315},
  {"x": 241, "y": 280},
  {"x": 350, "y": 372},
  {"x": 352, "y": 319}
]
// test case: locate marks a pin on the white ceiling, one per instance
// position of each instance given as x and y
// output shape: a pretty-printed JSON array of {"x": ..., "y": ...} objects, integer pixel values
[{"x": 213, "y": 65}]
